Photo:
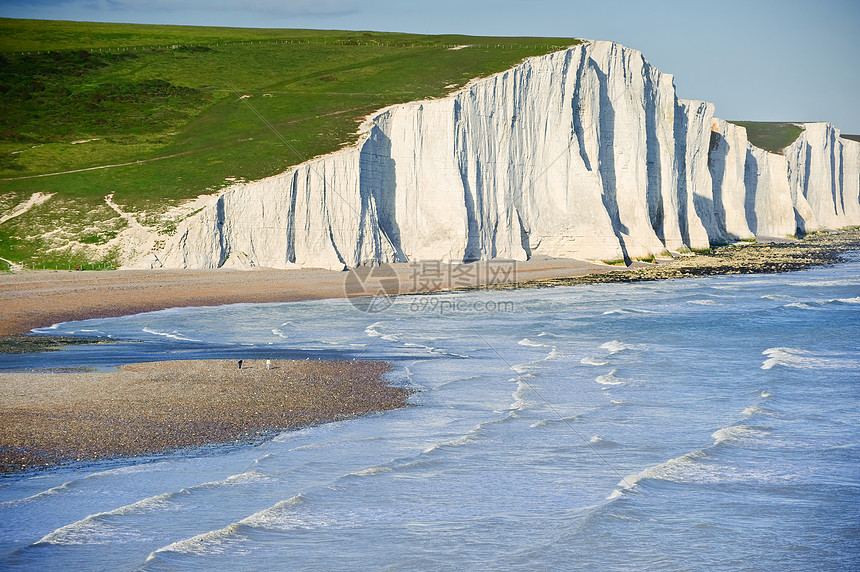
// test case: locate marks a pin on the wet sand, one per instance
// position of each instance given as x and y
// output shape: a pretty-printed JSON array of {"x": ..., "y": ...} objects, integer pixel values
[
  {"x": 37, "y": 299},
  {"x": 141, "y": 409}
]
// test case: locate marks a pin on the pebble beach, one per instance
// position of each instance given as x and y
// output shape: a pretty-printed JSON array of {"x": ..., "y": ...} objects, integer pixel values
[{"x": 147, "y": 408}]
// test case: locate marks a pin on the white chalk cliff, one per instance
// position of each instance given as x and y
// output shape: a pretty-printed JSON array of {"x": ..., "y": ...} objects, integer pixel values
[{"x": 584, "y": 153}]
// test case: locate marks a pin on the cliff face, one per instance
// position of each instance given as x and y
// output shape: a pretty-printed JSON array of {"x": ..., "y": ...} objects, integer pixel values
[{"x": 585, "y": 153}]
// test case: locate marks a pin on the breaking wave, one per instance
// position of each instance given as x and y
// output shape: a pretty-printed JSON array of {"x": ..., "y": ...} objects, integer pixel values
[
  {"x": 174, "y": 335},
  {"x": 798, "y": 358}
]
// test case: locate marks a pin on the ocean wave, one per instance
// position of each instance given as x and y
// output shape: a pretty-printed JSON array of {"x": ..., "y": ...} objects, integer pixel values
[
  {"x": 547, "y": 422},
  {"x": 373, "y": 330},
  {"x": 68, "y": 485},
  {"x": 599, "y": 442},
  {"x": 174, "y": 335},
  {"x": 609, "y": 378},
  {"x": 827, "y": 283},
  {"x": 228, "y": 538},
  {"x": 776, "y": 297},
  {"x": 704, "y": 302},
  {"x": 526, "y": 366},
  {"x": 738, "y": 433},
  {"x": 531, "y": 343},
  {"x": 102, "y": 527},
  {"x": 592, "y": 360},
  {"x": 671, "y": 470},
  {"x": 628, "y": 311},
  {"x": 98, "y": 529},
  {"x": 519, "y": 393},
  {"x": 372, "y": 471},
  {"x": 615, "y": 346},
  {"x": 798, "y": 358},
  {"x": 812, "y": 304},
  {"x": 755, "y": 410}
]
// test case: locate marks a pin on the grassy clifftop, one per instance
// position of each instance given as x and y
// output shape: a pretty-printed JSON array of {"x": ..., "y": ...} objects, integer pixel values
[
  {"x": 158, "y": 114},
  {"x": 770, "y": 136}
]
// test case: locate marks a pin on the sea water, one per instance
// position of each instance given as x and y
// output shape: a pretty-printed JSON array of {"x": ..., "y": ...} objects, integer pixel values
[{"x": 684, "y": 424}]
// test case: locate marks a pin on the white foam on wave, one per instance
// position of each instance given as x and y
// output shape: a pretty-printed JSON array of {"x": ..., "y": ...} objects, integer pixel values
[
  {"x": 98, "y": 528},
  {"x": 599, "y": 442},
  {"x": 519, "y": 393},
  {"x": 68, "y": 485},
  {"x": 372, "y": 471},
  {"x": 821, "y": 303},
  {"x": 827, "y": 283},
  {"x": 174, "y": 335},
  {"x": 592, "y": 360},
  {"x": 704, "y": 302},
  {"x": 738, "y": 433},
  {"x": 776, "y": 297},
  {"x": 526, "y": 366},
  {"x": 798, "y": 358},
  {"x": 374, "y": 331},
  {"x": 459, "y": 441},
  {"x": 621, "y": 311},
  {"x": 671, "y": 470},
  {"x": 228, "y": 538},
  {"x": 609, "y": 378},
  {"x": 546, "y": 422},
  {"x": 104, "y": 527},
  {"x": 755, "y": 410},
  {"x": 615, "y": 346},
  {"x": 531, "y": 343},
  {"x": 800, "y": 305}
]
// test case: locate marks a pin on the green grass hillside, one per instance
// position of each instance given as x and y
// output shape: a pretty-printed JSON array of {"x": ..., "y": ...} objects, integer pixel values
[
  {"x": 158, "y": 114},
  {"x": 770, "y": 136}
]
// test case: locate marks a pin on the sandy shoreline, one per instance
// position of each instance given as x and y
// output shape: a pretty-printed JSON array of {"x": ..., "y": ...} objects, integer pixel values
[
  {"x": 42, "y": 298},
  {"x": 148, "y": 408},
  {"x": 38, "y": 299}
]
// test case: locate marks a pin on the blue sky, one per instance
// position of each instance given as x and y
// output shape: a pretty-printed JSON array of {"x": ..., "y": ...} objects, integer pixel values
[{"x": 767, "y": 60}]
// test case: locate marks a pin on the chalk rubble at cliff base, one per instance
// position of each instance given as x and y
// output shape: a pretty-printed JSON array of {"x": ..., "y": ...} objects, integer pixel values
[{"x": 584, "y": 153}]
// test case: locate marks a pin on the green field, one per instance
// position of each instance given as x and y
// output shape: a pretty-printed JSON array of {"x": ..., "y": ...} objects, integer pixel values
[
  {"x": 171, "y": 100},
  {"x": 770, "y": 136}
]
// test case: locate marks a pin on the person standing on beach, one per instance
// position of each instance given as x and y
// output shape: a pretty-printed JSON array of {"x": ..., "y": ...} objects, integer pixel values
[
  {"x": 268, "y": 364},
  {"x": 240, "y": 364}
]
